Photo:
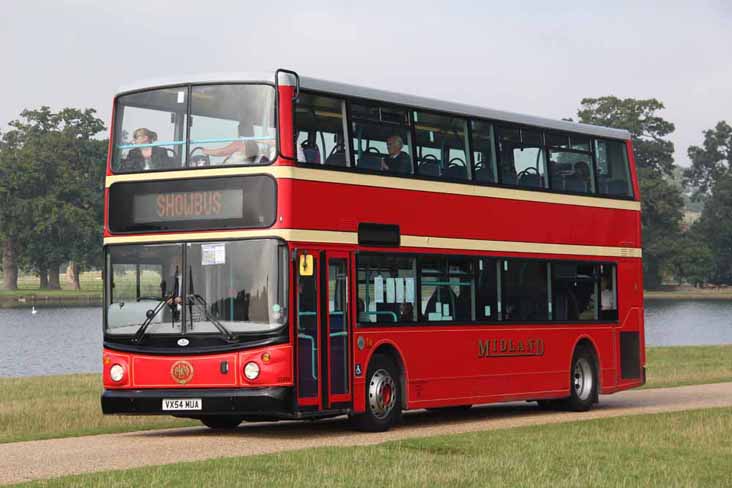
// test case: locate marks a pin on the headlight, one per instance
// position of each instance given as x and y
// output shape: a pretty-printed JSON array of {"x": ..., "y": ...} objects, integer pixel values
[
  {"x": 251, "y": 371},
  {"x": 116, "y": 372}
]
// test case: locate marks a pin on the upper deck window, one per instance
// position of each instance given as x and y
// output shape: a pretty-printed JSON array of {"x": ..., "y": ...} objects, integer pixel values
[
  {"x": 484, "y": 151},
  {"x": 198, "y": 126},
  {"x": 571, "y": 166},
  {"x": 441, "y": 146},
  {"x": 521, "y": 157},
  {"x": 320, "y": 125},
  {"x": 613, "y": 174},
  {"x": 382, "y": 138}
]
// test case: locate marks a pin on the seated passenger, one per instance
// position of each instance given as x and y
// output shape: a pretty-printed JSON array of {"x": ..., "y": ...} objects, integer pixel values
[
  {"x": 397, "y": 161},
  {"x": 148, "y": 157},
  {"x": 239, "y": 152},
  {"x": 582, "y": 173}
]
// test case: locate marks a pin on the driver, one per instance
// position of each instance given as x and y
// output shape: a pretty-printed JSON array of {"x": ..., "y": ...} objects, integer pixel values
[
  {"x": 397, "y": 161},
  {"x": 147, "y": 157}
]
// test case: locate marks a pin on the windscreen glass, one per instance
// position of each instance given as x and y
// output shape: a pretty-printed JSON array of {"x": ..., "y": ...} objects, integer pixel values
[
  {"x": 194, "y": 126},
  {"x": 197, "y": 288}
]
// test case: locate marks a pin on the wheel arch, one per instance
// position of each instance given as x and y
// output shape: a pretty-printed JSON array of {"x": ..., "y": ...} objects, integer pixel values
[{"x": 391, "y": 350}]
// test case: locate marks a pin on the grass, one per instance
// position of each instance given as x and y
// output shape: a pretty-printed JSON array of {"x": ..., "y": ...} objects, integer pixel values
[
  {"x": 46, "y": 407},
  {"x": 29, "y": 288},
  {"x": 688, "y": 365},
  {"x": 665, "y": 450}
]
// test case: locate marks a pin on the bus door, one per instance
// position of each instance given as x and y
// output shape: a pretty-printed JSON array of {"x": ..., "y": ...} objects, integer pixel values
[
  {"x": 323, "y": 345},
  {"x": 337, "y": 330}
]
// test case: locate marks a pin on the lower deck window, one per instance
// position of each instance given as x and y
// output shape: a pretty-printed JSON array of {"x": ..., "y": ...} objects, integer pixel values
[
  {"x": 386, "y": 289},
  {"x": 404, "y": 289}
]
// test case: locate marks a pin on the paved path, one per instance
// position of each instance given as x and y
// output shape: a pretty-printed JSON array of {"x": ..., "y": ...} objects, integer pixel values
[{"x": 23, "y": 461}]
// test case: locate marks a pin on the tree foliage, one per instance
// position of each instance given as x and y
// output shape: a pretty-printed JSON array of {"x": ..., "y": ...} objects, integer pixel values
[
  {"x": 647, "y": 129},
  {"x": 52, "y": 172},
  {"x": 715, "y": 228},
  {"x": 661, "y": 201},
  {"x": 711, "y": 161}
]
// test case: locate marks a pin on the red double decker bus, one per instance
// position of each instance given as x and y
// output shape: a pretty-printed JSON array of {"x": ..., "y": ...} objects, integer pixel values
[{"x": 281, "y": 247}]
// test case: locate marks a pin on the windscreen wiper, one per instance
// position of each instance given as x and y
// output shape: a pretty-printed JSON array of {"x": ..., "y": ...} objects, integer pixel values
[
  {"x": 150, "y": 315},
  {"x": 201, "y": 302}
]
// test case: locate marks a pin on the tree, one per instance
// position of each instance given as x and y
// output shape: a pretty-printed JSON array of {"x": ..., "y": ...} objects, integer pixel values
[
  {"x": 715, "y": 228},
  {"x": 59, "y": 170},
  {"x": 712, "y": 161},
  {"x": 692, "y": 260},
  {"x": 661, "y": 201},
  {"x": 13, "y": 210},
  {"x": 639, "y": 117}
]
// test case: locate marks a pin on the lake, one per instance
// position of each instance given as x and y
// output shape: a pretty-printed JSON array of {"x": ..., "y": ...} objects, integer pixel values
[{"x": 39, "y": 344}]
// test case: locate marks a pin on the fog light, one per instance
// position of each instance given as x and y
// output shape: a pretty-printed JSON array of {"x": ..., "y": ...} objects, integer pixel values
[
  {"x": 251, "y": 371},
  {"x": 116, "y": 372}
]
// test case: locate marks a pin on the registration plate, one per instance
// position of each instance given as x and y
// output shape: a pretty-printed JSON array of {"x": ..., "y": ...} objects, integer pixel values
[{"x": 182, "y": 404}]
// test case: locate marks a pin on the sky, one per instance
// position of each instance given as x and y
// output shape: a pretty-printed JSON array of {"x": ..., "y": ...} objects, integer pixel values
[{"x": 534, "y": 57}]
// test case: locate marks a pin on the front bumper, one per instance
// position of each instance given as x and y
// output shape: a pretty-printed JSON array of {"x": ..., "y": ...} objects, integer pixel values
[{"x": 256, "y": 402}]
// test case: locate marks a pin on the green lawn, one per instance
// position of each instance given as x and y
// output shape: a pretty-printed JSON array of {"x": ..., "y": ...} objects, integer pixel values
[
  {"x": 28, "y": 287},
  {"x": 27, "y": 412},
  {"x": 44, "y": 407},
  {"x": 665, "y": 450}
]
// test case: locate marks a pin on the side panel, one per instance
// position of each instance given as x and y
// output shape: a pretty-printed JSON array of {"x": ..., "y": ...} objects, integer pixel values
[{"x": 326, "y": 206}]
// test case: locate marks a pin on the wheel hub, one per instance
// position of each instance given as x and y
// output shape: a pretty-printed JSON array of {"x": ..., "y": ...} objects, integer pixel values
[
  {"x": 382, "y": 394},
  {"x": 582, "y": 379}
]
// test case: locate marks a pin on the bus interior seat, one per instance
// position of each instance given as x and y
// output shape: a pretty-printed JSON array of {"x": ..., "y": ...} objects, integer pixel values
[
  {"x": 617, "y": 187},
  {"x": 369, "y": 161},
  {"x": 484, "y": 173},
  {"x": 311, "y": 152},
  {"x": 575, "y": 183},
  {"x": 457, "y": 172},
  {"x": 530, "y": 179},
  {"x": 429, "y": 167},
  {"x": 337, "y": 157}
]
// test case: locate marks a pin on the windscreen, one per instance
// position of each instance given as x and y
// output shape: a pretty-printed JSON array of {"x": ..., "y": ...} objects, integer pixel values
[
  {"x": 197, "y": 288},
  {"x": 194, "y": 126}
]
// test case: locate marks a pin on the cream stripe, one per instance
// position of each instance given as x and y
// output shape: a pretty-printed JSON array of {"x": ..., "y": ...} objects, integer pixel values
[
  {"x": 332, "y": 237},
  {"x": 361, "y": 179}
]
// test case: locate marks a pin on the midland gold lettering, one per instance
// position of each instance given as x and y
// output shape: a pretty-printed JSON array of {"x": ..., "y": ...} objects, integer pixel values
[{"x": 510, "y": 347}]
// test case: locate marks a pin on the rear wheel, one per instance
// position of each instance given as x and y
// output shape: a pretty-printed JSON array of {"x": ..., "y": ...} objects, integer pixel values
[
  {"x": 221, "y": 421},
  {"x": 583, "y": 381},
  {"x": 383, "y": 397}
]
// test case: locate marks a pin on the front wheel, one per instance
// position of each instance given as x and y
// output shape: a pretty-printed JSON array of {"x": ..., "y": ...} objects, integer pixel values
[
  {"x": 383, "y": 397},
  {"x": 221, "y": 421}
]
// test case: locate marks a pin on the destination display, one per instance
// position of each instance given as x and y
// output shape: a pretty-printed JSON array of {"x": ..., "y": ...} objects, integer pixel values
[
  {"x": 197, "y": 205},
  {"x": 193, "y": 204}
]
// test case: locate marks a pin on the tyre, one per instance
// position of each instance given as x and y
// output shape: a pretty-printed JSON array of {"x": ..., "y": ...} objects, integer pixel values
[
  {"x": 583, "y": 381},
  {"x": 383, "y": 397},
  {"x": 221, "y": 421}
]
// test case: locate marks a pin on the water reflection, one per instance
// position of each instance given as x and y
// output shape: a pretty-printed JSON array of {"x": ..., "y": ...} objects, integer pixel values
[
  {"x": 52, "y": 341},
  {"x": 688, "y": 323},
  {"x": 69, "y": 340}
]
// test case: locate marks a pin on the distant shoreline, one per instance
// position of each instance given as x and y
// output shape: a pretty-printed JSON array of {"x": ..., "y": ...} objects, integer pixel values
[
  {"x": 690, "y": 294},
  {"x": 66, "y": 298},
  {"x": 42, "y": 300}
]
